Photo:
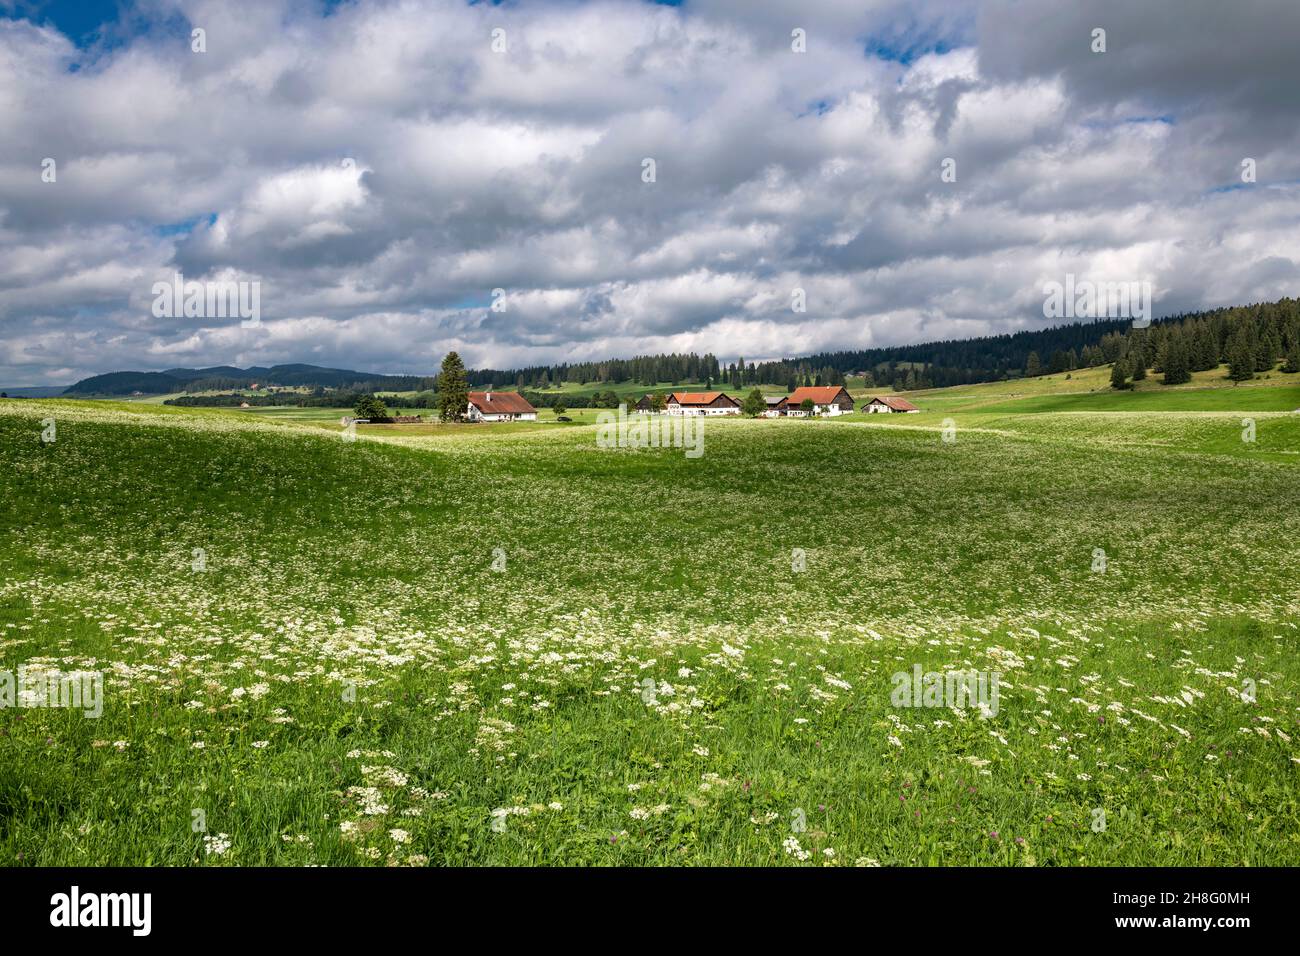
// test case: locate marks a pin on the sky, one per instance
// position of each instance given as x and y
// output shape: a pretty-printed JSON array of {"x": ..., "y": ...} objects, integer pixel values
[{"x": 397, "y": 179}]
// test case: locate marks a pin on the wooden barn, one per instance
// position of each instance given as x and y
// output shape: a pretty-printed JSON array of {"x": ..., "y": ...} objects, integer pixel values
[
  {"x": 827, "y": 400},
  {"x": 888, "y": 404}
]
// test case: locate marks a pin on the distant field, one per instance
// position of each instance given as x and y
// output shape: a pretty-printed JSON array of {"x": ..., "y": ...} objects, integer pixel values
[
  {"x": 332, "y": 418},
  {"x": 435, "y": 648},
  {"x": 1280, "y": 398}
]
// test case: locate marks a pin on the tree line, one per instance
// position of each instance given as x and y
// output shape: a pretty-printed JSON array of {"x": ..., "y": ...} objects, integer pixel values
[{"x": 1249, "y": 339}]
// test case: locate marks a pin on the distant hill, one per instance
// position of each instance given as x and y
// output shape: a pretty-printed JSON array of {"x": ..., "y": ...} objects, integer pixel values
[
  {"x": 32, "y": 391},
  {"x": 227, "y": 376},
  {"x": 124, "y": 383}
]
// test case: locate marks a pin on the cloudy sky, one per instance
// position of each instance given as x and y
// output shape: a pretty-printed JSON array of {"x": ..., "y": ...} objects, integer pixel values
[{"x": 379, "y": 169}]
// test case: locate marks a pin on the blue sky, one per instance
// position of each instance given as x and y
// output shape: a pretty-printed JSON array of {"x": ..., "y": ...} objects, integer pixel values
[{"x": 79, "y": 20}]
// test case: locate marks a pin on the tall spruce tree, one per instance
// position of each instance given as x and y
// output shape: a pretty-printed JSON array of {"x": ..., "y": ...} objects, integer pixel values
[
  {"x": 1292, "y": 359},
  {"x": 1177, "y": 361},
  {"x": 1119, "y": 374},
  {"x": 1137, "y": 358},
  {"x": 453, "y": 389},
  {"x": 1241, "y": 358}
]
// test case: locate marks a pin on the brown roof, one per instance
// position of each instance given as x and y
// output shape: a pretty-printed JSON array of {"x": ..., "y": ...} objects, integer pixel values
[
  {"x": 503, "y": 403},
  {"x": 699, "y": 398},
  {"x": 820, "y": 394},
  {"x": 899, "y": 404}
]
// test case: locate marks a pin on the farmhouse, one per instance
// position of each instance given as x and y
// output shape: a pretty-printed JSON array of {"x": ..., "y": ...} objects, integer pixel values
[
  {"x": 888, "y": 404},
  {"x": 776, "y": 405},
  {"x": 702, "y": 403},
  {"x": 826, "y": 399},
  {"x": 499, "y": 407}
]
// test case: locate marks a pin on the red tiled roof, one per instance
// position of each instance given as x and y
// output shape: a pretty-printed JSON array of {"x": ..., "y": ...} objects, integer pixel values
[
  {"x": 820, "y": 394},
  {"x": 503, "y": 403},
  {"x": 899, "y": 404},
  {"x": 698, "y": 398}
]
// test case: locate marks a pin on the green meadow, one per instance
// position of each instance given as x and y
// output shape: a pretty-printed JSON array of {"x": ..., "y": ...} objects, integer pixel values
[{"x": 506, "y": 644}]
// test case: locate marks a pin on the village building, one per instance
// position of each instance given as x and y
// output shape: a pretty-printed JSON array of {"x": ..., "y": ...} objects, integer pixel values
[
  {"x": 827, "y": 400},
  {"x": 888, "y": 404},
  {"x": 701, "y": 403},
  {"x": 499, "y": 407},
  {"x": 776, "y": 405}
]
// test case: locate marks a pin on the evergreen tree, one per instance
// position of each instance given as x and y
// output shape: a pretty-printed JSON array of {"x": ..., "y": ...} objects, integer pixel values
[
  {"x": 1119, "y": 375},
  {"x": 754, "y": 404},
  {"x": 1033, "y": 366},
  {"x": 1177, "y": 359},
  {"x": 1292, "y": 359},
  {"x": 1271, "y": 347},
  {"x": 1138, "y": 363},
  {"x": 453, "y": 389},
  {"x": 1207, "y": 348},
  {"x": 1241, "y": 359}
]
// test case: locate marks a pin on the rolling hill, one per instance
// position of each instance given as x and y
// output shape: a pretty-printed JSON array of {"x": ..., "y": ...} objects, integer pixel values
[{"x": 226, "y": 376}]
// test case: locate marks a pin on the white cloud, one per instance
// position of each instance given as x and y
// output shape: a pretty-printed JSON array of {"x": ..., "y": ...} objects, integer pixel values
[{"x": 522, "y": 170}]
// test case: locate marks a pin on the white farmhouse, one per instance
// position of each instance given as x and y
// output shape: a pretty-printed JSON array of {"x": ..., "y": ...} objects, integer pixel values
[
  {"x": 702, "y": 403},
  {"x": 888, "y": 404},
  {"x": 826, "y": 400},
  {"x": 499, "y": 407}
]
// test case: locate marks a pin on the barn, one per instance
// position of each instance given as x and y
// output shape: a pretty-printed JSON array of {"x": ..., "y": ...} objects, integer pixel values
[
  {"x": 499, "y": 407},
  {"x": 884, "y": 405},
  {"x": 702, "y": 403},
  {"x": 826, "y": 399}
]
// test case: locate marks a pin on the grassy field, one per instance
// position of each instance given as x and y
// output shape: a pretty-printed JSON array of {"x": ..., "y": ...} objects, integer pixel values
[{"x": 508, "y": 645}]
